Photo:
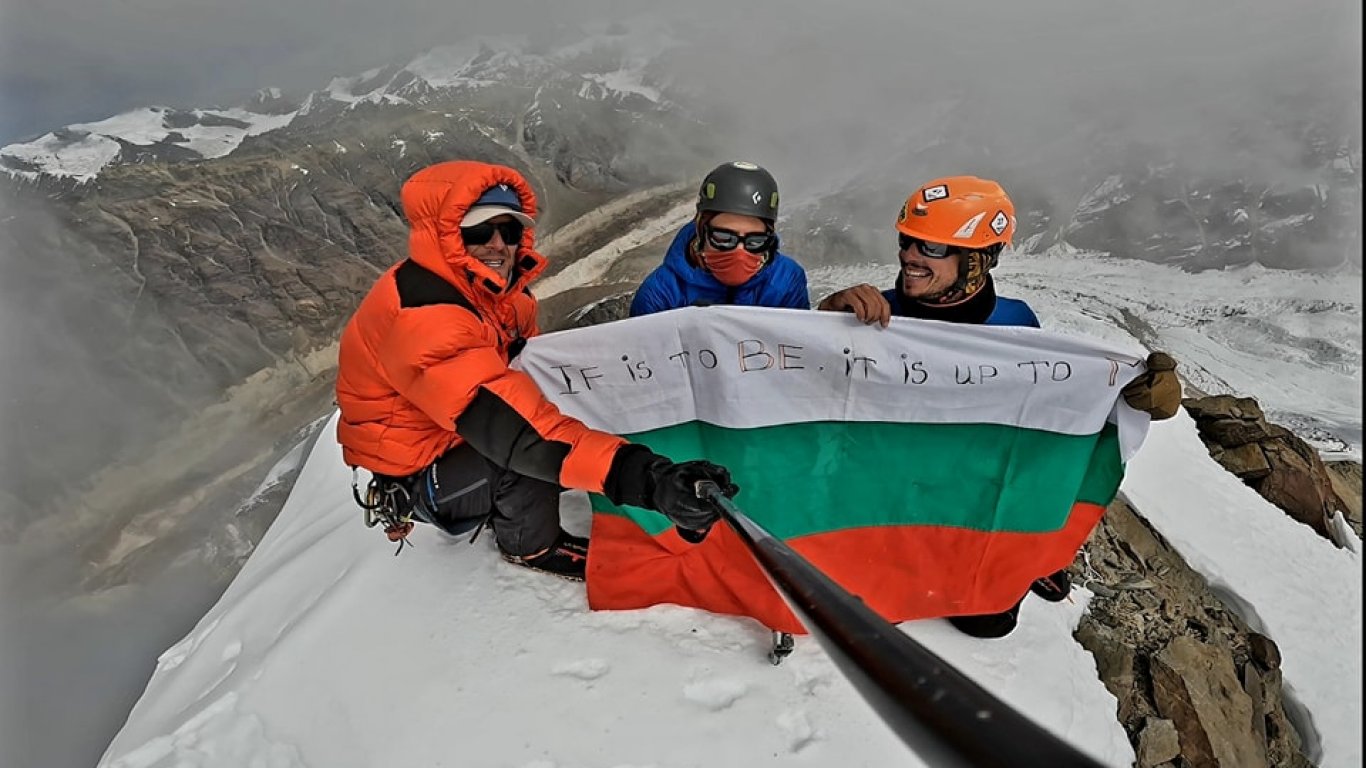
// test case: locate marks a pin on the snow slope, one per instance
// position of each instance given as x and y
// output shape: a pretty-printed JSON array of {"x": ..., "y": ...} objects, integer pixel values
[{"x": 328, "y": 650}]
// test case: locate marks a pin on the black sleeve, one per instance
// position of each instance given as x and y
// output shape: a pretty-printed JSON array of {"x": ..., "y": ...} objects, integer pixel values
[{"x": 500, "y": 434}]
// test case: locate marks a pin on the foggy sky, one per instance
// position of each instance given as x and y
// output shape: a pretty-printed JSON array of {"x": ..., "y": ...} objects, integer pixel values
[{"x": 1160, "y": 65}]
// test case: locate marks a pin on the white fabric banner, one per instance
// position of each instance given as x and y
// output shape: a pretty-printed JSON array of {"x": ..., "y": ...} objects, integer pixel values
[{"x": 754, "y": 367}]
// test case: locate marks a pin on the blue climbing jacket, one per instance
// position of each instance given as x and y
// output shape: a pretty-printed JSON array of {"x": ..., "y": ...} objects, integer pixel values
[{"x": 677, "y": 283}]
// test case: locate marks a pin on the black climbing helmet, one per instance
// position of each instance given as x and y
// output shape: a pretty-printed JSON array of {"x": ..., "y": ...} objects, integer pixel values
[{"x": 739, "y": 187}]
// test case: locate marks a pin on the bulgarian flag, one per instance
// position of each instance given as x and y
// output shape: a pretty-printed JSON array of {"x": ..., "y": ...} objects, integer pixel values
[{"x": 932, "y": 469}]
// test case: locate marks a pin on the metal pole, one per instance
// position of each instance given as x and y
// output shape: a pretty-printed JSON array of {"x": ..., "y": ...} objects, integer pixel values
[{"x": 940, "y": 713}]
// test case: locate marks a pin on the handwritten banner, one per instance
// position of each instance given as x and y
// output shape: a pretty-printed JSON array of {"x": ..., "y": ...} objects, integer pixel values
[{"x": 751, "y": 367}]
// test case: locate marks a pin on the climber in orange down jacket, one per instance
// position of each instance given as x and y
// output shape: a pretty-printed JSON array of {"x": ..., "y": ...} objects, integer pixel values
[{"x": 428, "y": 401}]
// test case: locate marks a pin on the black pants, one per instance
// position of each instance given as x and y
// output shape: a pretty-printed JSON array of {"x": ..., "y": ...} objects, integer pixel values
[{"x": 462, "y": 488}]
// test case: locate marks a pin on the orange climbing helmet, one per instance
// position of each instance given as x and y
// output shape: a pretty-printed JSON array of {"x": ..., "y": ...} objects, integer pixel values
[{"x": 963, "y": 211}]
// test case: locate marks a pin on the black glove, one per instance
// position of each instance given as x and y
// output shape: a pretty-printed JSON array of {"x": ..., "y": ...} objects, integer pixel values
[
  {"x": 643, "y": 478},
  {"x": 675, "y": 494}
]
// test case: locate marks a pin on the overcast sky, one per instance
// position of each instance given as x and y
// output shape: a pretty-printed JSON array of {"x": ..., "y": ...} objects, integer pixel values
[{"x": 64, "y": 61}]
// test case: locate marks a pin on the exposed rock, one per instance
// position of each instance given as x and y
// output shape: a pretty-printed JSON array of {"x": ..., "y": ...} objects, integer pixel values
[
  {"x": 1247, "y": 461},
  {"x": 1346, "y": 479},
  {"x": 1264, "y": 651},
  {"x": 607, "y": 309},
  {"x": 1169, "y": 649},
  {"x": 1197, "y": 688},
  {"x": 1157, "y": 743},
  {"x": 1284, "y": 469}
]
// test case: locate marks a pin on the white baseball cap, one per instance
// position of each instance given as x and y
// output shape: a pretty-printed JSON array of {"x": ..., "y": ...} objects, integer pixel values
[{"x": 500, "y": 200}]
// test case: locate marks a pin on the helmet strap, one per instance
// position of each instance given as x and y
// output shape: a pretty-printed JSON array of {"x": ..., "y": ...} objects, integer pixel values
[{"x": 695, "y": 246}]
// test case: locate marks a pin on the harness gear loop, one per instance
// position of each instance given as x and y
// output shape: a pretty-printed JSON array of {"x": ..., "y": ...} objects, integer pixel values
[{"x": 384, "y": 498}]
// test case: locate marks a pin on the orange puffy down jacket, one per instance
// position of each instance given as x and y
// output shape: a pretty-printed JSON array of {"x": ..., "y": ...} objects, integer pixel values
[{"x": 424, "y": 361}]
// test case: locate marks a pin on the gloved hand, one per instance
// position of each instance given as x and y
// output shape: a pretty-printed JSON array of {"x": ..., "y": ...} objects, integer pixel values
[
  {"x": 1158, "y": 390},
  {"x": 642, "y": 478},
  {"x": 675, "y": 494}
]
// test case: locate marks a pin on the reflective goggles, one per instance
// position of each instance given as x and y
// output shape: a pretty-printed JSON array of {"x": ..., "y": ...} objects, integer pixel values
[
  {"x": 726, "y": 240},
  {"x": 931, "y": 250},
  {"x": 481, "y": 234}
]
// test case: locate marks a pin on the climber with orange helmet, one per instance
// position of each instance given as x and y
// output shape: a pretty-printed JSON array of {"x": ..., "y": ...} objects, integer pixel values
[{"x": 950, "y": 235}]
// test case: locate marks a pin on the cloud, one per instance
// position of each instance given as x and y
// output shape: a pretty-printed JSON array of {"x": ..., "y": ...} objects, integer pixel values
[
  {"x": 72, "y": 60},
  {"x": 850, "y": 85},
  {"x": 1159, "y": 66}
]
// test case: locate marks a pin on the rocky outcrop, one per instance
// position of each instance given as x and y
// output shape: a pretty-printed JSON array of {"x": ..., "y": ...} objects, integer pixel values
[
  {"x": 1196, "y": 686},
  {"x": 1284, "y": 469},
  {"x": 1346, "y": 479},
  {"x": 614, "y": 306}
]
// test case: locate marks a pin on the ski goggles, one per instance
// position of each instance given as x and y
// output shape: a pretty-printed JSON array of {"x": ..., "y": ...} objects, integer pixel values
[
  {"x": 481, "y": 234},
  {"x": 931, "y": 250},
  {"x": 726, "y": 240}
]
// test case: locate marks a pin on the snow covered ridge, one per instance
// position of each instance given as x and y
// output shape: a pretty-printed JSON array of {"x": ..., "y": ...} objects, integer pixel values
[
  {"x": 607, "y": 64},
  {"x": 82, "y": 150},
  {"x": 604, "y": 66},
  {"x": 324, "y": 632}
]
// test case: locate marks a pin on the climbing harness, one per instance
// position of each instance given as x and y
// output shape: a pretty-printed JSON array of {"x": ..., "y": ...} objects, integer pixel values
[{"x": 386, "y": 502}]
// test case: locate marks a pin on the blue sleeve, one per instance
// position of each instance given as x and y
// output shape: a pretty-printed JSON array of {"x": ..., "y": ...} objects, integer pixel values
[
  {"x": 798, "y": 296},
  {"x": 650, "y": 296},
  {"x": 1024, "y": 315},
  {"x": 788, "y": 288},
  {"x": 1013, "y": 312}
]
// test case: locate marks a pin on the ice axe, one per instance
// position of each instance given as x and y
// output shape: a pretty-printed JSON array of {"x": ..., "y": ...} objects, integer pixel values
[{"x": 940, "y": 713}]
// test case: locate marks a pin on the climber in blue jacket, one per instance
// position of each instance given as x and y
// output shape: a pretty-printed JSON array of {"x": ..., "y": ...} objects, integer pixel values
[{"x": 728, "y": 253}]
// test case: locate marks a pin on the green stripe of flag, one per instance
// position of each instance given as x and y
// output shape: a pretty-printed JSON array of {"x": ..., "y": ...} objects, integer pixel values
[{"x": 814, "y": 477}]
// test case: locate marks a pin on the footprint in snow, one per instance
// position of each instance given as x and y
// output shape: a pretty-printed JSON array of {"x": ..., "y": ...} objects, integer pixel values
[
  {"x": 715, "y": 695},
  {"x": 583, "y": 669},
  {"x": 800, "y": 733}
]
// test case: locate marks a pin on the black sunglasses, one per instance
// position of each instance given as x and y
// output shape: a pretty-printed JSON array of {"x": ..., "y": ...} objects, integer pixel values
[
  {"x": 931, "y": 250},
  {"x": 726, "y": 240},
  {"x": 480, "y": 234}
]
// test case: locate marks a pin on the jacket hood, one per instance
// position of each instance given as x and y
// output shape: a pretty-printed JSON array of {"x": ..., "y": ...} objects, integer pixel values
[{"x": 436, "y": 198}]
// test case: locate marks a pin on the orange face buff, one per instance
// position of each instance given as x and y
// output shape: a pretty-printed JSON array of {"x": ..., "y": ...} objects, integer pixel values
[{"x": 733, "y": 258}]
